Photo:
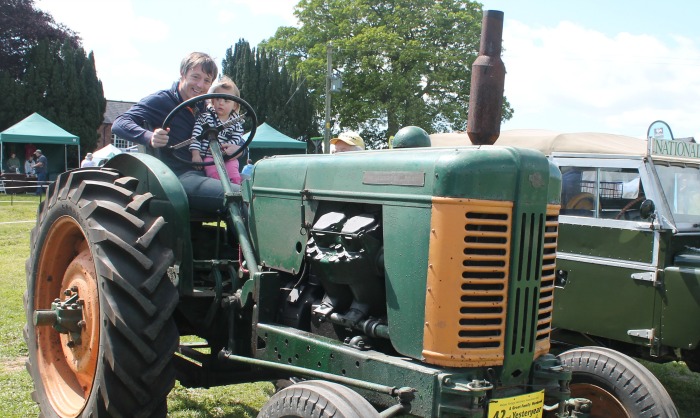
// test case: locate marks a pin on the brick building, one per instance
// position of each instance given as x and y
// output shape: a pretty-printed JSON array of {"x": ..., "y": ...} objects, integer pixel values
[{"x": 114, "y": 109}]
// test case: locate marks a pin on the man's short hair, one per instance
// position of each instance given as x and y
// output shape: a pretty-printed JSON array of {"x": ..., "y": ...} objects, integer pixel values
[{"x": 199, "y": 58}]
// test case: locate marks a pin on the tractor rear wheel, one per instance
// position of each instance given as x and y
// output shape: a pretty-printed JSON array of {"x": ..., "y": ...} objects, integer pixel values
[
  {"x": 317, "y": 398},
  {"x": 616, "y": 384},
  {"x": 99, "y": 303}
]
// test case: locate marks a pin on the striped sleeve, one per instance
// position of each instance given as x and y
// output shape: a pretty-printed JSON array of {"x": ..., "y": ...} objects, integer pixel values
[{"x": 205, "y": 118}]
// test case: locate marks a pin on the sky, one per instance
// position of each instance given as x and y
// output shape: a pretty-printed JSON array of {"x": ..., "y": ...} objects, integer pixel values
[{"x": 571, "y": 66}]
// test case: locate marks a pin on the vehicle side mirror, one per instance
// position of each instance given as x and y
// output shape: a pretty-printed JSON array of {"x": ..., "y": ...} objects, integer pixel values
[{"x": 646, "y": 210}]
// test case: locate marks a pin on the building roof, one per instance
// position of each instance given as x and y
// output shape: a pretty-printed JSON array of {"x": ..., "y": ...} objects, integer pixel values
[{"x": 114, "y": 109}]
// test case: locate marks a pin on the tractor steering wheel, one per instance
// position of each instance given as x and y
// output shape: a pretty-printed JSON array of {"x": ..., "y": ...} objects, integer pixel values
[
  {"x": 250, "y": 113},
  {"x": 628, "y": 206}
]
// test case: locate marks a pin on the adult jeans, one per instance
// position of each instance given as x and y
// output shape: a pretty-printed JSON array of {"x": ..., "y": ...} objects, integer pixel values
[
  {"x": 41, "y": 180},
  {"x": 204, "y": 193}
]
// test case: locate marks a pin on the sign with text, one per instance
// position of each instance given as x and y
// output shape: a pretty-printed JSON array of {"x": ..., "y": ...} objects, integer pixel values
[
  {"x": 522, "y": 406},
  {"x": 674, "y": 149}
]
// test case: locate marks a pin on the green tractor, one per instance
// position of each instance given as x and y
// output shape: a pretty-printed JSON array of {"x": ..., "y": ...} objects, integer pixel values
[{"x": 410, "y": 282}]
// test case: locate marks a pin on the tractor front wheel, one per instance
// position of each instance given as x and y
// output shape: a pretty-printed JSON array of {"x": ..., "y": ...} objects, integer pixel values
[
  {"x": 99, "y": 303},
  {"x": 317, "y": 398},
  {"x": 617, "y": 385}
]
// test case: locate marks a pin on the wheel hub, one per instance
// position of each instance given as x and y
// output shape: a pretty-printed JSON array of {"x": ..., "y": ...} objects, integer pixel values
[
  {"x": 66, "y": 318},
  {"x": 604, "y": 403}
]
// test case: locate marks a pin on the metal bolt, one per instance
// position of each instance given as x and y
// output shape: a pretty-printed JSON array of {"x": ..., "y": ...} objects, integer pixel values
[
  {"x": 81, "y": 323},
  {"x": 74, "y": 288},
  {"x": 70, "y": 344},
  {"x": 67, "y": 292}
]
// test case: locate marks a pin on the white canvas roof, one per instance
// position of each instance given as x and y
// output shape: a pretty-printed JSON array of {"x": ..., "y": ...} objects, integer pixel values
[{"x": 550, "y": 141}]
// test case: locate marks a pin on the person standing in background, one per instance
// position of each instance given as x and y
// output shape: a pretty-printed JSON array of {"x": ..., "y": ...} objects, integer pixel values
[
  {"x": 347, "y": 141},
  {"x": 247, "y": 170},
  {"x": 41, "y": 171},
  {"x": 88, "y": 162}
]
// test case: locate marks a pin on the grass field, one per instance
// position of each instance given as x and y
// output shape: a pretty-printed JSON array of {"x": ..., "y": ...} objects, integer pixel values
[{"x": 237, "y": 401}]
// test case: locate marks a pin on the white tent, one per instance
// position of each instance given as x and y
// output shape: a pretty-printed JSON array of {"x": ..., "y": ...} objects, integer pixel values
[{"x": 105, "y": 153}]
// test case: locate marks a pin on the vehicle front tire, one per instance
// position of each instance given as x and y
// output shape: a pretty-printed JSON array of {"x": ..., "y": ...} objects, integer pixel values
[
  {"x": 96, "y": 241},
  {"x": 317, "y": 398},
  {"x": 616, "y": 384}
]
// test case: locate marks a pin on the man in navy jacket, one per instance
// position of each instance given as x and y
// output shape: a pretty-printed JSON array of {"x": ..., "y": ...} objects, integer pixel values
[{"x": 141, "y": 124}]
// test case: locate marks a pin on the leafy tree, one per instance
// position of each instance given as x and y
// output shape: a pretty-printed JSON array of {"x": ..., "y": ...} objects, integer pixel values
[
  {"x": 21, "y": 27},
  {"x": 49, "y": 73},
  {"x": 402, "y": 63},
  {"x": 278, "y": 98}
]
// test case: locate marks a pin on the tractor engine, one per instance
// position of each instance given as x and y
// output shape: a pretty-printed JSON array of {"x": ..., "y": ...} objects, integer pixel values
[{"x": 345, "y": 256}]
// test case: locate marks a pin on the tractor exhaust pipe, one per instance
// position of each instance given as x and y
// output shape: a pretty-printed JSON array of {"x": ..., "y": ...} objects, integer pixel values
[{"x": 488, "y": 78}]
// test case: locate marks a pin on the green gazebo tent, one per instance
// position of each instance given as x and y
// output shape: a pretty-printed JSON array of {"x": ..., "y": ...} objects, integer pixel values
[
  {"x": 269, "y": 141},
  {"x": 36, "y": 129}
]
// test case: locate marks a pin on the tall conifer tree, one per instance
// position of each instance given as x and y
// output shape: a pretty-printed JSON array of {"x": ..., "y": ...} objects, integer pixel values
[{"x": 277, "y": 97}]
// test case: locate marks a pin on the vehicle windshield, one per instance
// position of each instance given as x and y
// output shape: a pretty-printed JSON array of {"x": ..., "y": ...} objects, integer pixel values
[{"x": 681, "y": 185}]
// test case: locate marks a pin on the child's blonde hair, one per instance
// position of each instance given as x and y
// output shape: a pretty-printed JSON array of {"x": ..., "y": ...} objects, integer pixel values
[{"x": 228, "y": 86}]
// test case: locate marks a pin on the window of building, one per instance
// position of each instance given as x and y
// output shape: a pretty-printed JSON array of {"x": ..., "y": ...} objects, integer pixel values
[{"x": 121, "y": 143}]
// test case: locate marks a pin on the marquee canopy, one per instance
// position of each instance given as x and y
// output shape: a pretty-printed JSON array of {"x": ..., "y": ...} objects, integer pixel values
[{"x": 36, "y": 129}]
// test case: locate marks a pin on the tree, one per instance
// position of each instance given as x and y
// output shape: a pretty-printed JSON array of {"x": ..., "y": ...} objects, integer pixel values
[
  {"x": 48, "y": 73},
  {"x": 402, "y": 63},
  {"x": 278, "y": 98},
  {"x": 21, "y": 27}
]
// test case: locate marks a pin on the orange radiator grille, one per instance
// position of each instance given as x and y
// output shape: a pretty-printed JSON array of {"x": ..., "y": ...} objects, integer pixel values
[
  {"x": 544, "y": 317},
  {"x": 468, "y": 274}
]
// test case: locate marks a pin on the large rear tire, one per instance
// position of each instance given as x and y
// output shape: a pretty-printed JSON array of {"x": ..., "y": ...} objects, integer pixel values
[
  {"x": 95, "y": 237},
  {"x": 318, "y": 399},
  {"x": 618, "y": 385}
]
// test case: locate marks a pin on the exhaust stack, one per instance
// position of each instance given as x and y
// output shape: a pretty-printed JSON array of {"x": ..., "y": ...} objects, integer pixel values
[{"x": 487, "y": 82}]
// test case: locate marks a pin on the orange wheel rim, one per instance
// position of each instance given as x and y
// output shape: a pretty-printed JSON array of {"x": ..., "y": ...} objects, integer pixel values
[
  {"x": 67, "y": 373},
  {"x": 604, "y": 403}
]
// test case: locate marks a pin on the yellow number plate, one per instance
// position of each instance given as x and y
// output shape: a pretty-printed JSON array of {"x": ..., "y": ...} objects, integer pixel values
[{"x": 522, "y": 406}]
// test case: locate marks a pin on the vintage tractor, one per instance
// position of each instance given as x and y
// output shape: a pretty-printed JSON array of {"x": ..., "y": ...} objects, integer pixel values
[{"x": 411, "y": 282}]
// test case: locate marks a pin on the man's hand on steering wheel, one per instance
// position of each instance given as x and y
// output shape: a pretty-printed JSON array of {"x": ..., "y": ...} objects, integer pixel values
[{"x": 160, "y": 137}]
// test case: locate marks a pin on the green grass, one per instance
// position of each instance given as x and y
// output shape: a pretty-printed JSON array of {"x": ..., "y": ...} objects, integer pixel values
[
  {"x": 15, "y": 397},
  {"x": 682, "y": 384},
  {"x": 234, "y": 401},
  {"x": 14, "y": 250}
]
